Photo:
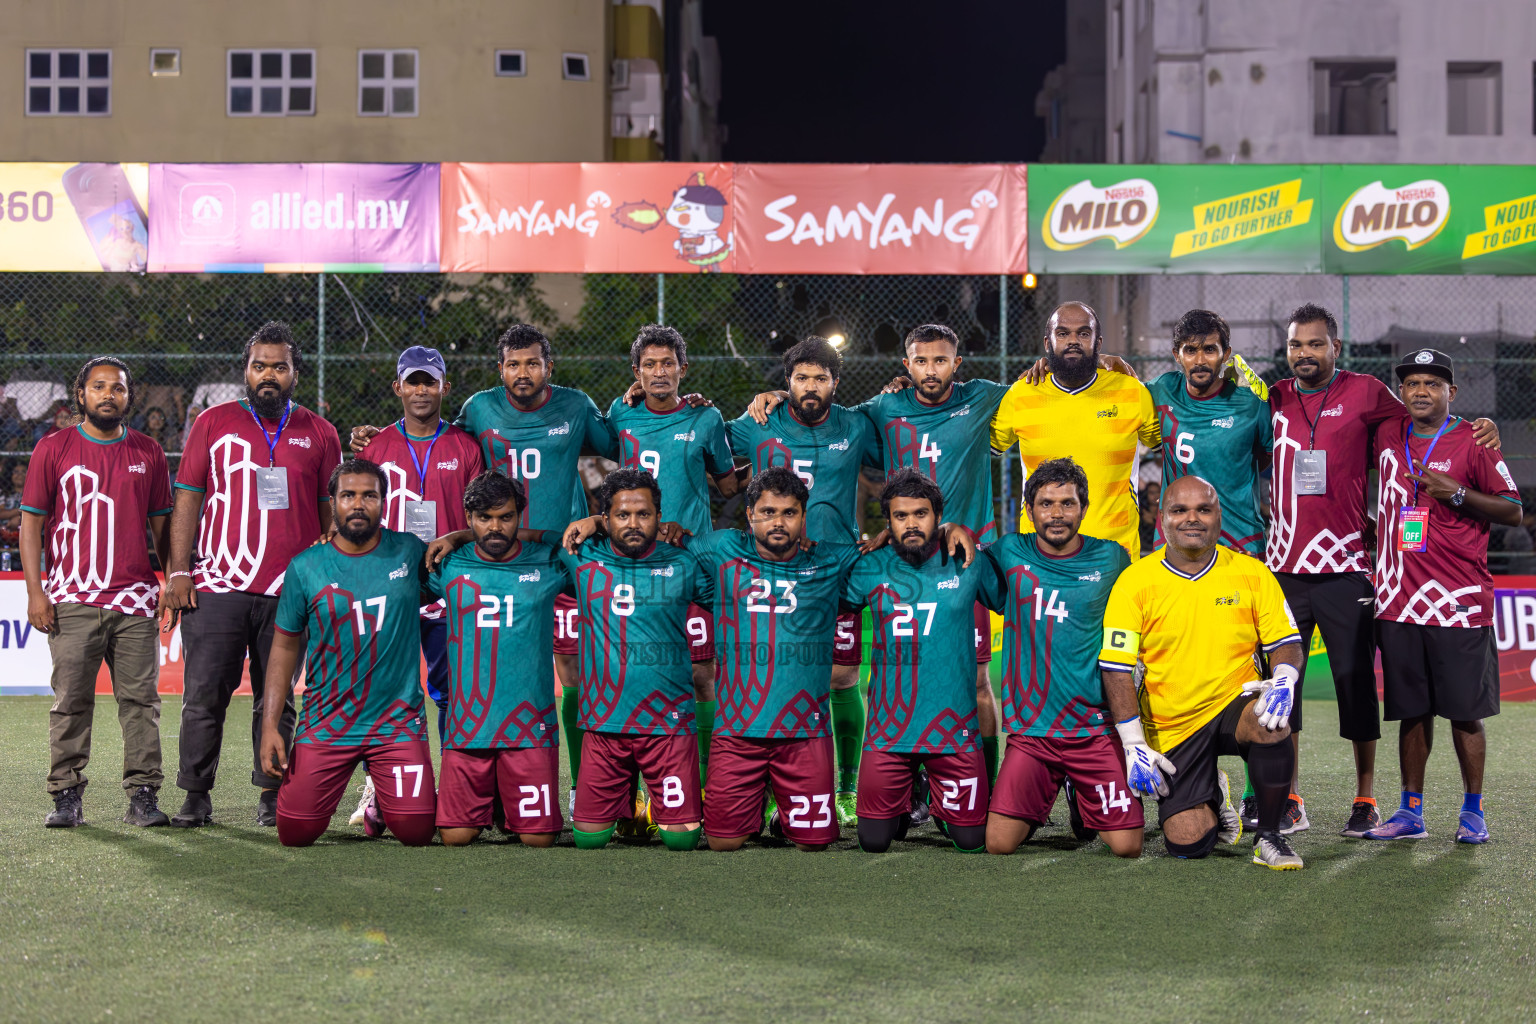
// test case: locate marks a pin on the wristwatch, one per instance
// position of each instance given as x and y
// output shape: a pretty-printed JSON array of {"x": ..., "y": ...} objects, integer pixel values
[{"x": 1459, "y": 497}]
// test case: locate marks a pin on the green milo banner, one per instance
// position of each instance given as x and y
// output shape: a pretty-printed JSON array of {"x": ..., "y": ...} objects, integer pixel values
[
  {"x": 1174, "y": 219},
  {"x": 1282, "y": 218}
]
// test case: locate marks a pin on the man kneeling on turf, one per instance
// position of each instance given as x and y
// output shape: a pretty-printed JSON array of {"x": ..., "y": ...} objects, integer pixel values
[
  {"x": 357, "y": 600},
  {"x": 502, "y": 738},
  {"x": 637, "y": 695},
  {"x": 1196, "y": 616}
]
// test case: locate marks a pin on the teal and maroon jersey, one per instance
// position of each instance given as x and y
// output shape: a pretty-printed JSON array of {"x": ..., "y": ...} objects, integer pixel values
[
  {"x": 922, "y": 665},
  {"x": 1224, "y": 439},
  {"x": 636, "y": 664},
  {"x": 501, "y": 646},
  {"x": 682, "y": 449},
  {"x": 950, "y": 443},
  {"x": 362, "y": 676},
  {"x": 827, "y": 456},
  {"x": 1053, "y": 628},
  {"x": 540, "y": 447},
  {"x": 774, "y": 628}
]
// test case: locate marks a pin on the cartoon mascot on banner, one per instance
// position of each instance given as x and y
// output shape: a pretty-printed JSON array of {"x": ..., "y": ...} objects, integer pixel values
[{"x": 697, "y": 211}]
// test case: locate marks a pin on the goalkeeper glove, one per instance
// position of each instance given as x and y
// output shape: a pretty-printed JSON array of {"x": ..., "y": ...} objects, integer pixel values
[
  {"x": 1277, "y": 697},
  {"x": 1144, "y": 767}
]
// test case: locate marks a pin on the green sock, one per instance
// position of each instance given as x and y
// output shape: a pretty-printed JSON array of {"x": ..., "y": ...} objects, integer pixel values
[
  {"x": 847, "y": 736},
  {"x": 989, "y": 754},
  {"x": 592, "y": 840},
  {"x": 704, "y": 717},
  {"x": 681, "y": 841},
  {"x": 568, "y": 714},
  {"x": 1248, "y": 785}
]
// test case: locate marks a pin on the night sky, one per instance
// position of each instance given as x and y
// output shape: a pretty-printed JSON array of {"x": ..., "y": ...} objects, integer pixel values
[{"x": 903, "y": 81}]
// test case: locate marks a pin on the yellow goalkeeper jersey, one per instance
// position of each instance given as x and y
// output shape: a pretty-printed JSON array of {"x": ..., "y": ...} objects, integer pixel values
[
  {"x": 1098, "y": 425},
  {"x": 1196, "y": 634}
]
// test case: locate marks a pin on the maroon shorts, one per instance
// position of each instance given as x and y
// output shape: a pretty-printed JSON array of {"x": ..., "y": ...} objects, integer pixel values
[
  {"x": 567, "y": 625},
  {"x": 1032, "y": 770},
  {"x": 848, "y": 642},
  {"x": 526, "y": 779},
  {"x": 701, "y": 637},
  {"x": 318, "y": 774},
  {"x": 668, "y": 764},
  {"x": 983, "y": 635},
  {"x": 799, "y": 771},
  {"x": 958, "y": 783}
]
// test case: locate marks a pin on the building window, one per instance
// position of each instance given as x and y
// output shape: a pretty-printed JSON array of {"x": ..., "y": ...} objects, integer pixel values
[
  {"x": 270, "y": 83},
  {"x": 1354, "y": 97},
  {"x": 576, "y": 67},
  {"x": 511, "y": 63},
  {"x": 386, "y": 83},
  {"x": 165, "y": 63},
  {"x": 69, "y": 83},
  {"x": 1474, "y": 93}
]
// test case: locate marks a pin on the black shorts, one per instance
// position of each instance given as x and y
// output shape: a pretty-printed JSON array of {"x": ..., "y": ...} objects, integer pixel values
[
  {"x": 1193, "y": 782},
  {"x": 1450, "y": 671},
  {"x": 1342, "y": 606}
]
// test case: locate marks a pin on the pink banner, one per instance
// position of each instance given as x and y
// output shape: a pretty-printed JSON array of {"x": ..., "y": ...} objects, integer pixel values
[{"x": 293, "y": 217}]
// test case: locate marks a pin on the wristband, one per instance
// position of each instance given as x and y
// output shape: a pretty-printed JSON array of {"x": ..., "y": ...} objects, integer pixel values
[
  {"x": 179, "y": 572},
  {"x": 1287, "y": 672}
]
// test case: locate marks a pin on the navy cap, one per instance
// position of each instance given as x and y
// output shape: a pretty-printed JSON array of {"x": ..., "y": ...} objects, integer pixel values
[
  {"x": 419, "y": 357},
  {"x": 1426, "y": 360}
]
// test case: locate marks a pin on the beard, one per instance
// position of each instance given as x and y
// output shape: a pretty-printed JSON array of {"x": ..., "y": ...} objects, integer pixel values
[
  {"x": 817, "y": 408},
  {"x": 1073, "y": 372},
  {"x": 104, "y": 423},
  {"x": 915, "y": 548},
  {"x": 269, "y": 405},
  {"x": 631, "y": 542},
  {"x": 778, "y": 543},
  {"x": 496, "y": 545},
  {"x": 357, "y": 530}
]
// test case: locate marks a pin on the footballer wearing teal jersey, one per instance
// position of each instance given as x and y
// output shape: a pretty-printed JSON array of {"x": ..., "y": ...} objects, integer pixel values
[
  {"x": 503, "y": 738},
  {"x": 1051, "y": 587},
  {"x": 637, "y": 705},
  {"x": 355, "y": 601},
  {"x": 1214, "y": 428},
  {"x": 922, "y": 689}
]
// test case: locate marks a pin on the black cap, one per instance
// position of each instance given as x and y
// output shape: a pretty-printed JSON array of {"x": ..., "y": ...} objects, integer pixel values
[{"x": 1426, "y": 360}]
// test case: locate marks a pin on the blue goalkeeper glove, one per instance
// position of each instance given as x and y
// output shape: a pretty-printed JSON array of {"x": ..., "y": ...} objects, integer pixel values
[
  {"x": 1144, "y": 767},
  {"x": 1277, "y": 697}
]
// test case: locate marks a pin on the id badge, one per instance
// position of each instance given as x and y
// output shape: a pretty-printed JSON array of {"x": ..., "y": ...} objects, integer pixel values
[
  {"x": 1311, "y": 473},
  {"x": 1413, "y": 529},
  {"x": 272, "y": 488},
  {"x": 421, "y": 519}
]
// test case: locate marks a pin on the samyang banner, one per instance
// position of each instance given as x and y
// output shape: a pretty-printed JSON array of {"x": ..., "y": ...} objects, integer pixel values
[
  {"x": 70, "y": 216},
  {"x": 1429, "y": 219},
  {"x": 596, "y": 218},
  {"x": 1174, "y": 219},
  {"x": 303, "y": 218}
]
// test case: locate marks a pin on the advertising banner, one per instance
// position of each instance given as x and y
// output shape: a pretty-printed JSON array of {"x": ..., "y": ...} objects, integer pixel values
[
  {"x": 1179, "y": 219},
  {"x": 293, "y": 217},
  {"x": 881, "y": 218},
  {"x": 600, "y": 218},
  {"x": 74, "y": 217},
  {"x": 1421, "y": 219}
]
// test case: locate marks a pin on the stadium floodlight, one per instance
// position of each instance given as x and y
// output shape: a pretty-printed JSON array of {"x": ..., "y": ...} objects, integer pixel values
[{"x": 1030, "y": 281}]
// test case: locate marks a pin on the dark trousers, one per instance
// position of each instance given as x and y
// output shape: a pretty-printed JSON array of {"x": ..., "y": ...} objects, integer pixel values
[
  {"x": 216, "y": 637},
  {"x": 434, "y": 649},
  {"x": 1340, "y": 605}
]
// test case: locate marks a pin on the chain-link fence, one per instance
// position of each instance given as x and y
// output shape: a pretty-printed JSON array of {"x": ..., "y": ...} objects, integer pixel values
[{"x": 182, "y": 335}]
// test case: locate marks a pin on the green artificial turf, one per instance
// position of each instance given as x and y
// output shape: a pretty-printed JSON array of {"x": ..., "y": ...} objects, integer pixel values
[{"x": 112, "y": 923}]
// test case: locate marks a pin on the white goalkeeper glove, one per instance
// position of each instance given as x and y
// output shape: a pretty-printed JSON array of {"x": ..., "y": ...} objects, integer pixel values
[
  {"x": 1277, "y": 697},
  {"x": 1144, "y": 767}
]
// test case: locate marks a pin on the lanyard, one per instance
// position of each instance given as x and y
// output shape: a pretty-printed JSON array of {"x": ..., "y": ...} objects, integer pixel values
[
  {"x": 1428, "y": 452},
  {"x": 272, "y": 439},
  {"x": 1312, "y": 421},
  {"x": 422, "y": 464}
]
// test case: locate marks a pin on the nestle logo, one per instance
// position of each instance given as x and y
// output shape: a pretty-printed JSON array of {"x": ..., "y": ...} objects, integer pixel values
[
  {"x": 953, "y": 583},
  {"x": 302, "y": 442},
  {"x": 564, "y": 428},
  {"x": 1337, "y": 410},
  {"x": 1135, "y": 192},
  {"x": 662, "y": 572},
  {"x": 1407, "y": 194},
  {"x": 450, "y": 466},
  {"x": 400, "y": 573},
  {"x": 143, "y": 467},
  {"x": 529, "y": 577},
  {"x": 840, "y": 446},
  {"x": 1225, "y": 423},
  {"x": 683, "y": 437},
  {"x": 1093, "y": 577}
]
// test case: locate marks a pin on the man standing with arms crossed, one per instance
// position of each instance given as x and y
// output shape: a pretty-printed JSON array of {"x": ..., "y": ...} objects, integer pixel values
[
  {"x": 1434, "y": 596},
  {"x": 251, "y": 493},
  {"x": 96, "y": 485}
]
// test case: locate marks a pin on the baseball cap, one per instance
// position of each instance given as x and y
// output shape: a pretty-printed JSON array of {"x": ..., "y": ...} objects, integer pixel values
[
  {"x": 1426, "y": 360},
  {"x": 419, "y": 357}
]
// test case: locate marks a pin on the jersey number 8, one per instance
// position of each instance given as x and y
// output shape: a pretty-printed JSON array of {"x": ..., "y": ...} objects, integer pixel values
[{"x": 623, "y": 600}]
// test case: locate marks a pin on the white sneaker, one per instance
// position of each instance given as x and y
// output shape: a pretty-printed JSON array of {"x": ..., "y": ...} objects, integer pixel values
[
  {"x": 570, "y": 805},
  {"x": 363, "y": 803},
  {"x": 1272, "y": 850},
  {"x": 1229, "y": 824}
]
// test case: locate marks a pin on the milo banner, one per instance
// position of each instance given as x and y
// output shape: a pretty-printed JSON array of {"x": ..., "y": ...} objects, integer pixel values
[
  {"x": 1179, "y": 219},
  {"x": 1429, "y": 219},
  {"x": 74, "y": 217}
]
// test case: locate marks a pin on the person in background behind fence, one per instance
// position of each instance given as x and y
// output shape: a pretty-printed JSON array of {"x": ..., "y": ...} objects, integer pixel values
[
  {"x": 95, "y": 486},
  {"x": 247, "y": 521}
]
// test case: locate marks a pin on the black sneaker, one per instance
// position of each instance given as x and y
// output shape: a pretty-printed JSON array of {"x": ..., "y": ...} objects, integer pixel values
[
  {"x": 920, "y": 813},
  {"x": 1295, "y": 817},
  {"x": 266, "y": 808},
  {"x": 1083, "y": 833},
  {"x": 196, "y": 811},
  {"x": 144, "y": 809},
  {"x": 1363, "y": 817},
  {"x": 1250, "y": 814},
  {"x": 68, "y": 808}
]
